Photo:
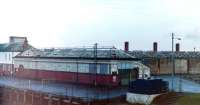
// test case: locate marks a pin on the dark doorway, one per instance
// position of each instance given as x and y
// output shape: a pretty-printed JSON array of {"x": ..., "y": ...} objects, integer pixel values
[
  {"x": 134, "y": 74},
  {"x": 127, "y": 75}
]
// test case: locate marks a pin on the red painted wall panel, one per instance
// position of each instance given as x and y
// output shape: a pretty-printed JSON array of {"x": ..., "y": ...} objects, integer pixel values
[{"x": 82, "y": 78}]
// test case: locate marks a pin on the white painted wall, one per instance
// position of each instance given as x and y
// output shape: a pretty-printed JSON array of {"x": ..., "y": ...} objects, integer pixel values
[{"x": 6, "y": 57}]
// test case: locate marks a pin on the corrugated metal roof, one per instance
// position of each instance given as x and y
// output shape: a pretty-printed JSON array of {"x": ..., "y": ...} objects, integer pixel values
[{"x": 77, "y": 53}]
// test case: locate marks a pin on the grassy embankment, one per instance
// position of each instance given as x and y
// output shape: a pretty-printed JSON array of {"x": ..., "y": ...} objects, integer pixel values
[
  {"x": 178, "y": 99},
  {"x": 189, "y": 99}
]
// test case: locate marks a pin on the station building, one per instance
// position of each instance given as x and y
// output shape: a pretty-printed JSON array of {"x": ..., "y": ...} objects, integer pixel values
[{"x": 98, "y": 66}]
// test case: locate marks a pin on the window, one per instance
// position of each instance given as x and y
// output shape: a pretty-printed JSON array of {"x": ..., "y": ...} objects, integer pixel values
[
  {"x": 103, "y": 68},
  {"x": 125, "y": 66},
  {"x": 9, "y": 58},
  {"x": 60, "y": 66},
  {"x": 83, "y": 68},
  {"x": 129, "y": 66},
  {"x": 92, "y": 68},
  {"x": 71, "y": 67}
]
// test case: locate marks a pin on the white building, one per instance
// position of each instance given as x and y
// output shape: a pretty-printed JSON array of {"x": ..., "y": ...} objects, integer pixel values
[{"x": 9, "y": 50}]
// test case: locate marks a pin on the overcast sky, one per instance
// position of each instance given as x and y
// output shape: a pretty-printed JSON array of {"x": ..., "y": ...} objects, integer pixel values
[{"x": 68, "y": 23}]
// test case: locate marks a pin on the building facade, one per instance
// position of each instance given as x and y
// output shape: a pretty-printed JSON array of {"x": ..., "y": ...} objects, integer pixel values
[{"x": 109, "y": 67}]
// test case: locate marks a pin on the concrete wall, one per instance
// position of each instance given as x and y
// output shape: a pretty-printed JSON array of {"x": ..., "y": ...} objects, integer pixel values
[
  {"x": 194, "y": 66},
  {"x": 153, "y": 64},
  {"x": 164, "y": 66},
  {"x": 181, "y": 66}
]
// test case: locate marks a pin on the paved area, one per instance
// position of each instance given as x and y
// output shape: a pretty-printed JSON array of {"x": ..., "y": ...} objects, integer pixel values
[
  {"x": 63, "y": 89},
  {"x": 180, "y": 84}
]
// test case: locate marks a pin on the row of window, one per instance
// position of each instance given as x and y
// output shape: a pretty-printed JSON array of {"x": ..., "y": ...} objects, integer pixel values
[
  {"x": 71, "y": 67},
  {"x": 102, "y": 68}
]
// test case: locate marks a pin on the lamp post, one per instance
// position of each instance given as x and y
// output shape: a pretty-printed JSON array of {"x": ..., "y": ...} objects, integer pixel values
[{"x": 173, "y": 61}]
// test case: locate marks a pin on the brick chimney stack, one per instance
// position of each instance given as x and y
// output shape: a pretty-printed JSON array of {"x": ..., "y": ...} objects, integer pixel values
[
  {"x": 126, "y": 46},
  {"x": 177, "y": 47},
  {"x": 25, "y": 44},
  {"x": 155, "y": 46}
]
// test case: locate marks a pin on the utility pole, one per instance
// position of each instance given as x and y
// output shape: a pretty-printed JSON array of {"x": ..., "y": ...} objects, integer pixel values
[
  {"x": 173, "y": 63},
  {"x": 95, "y": 61},
  {"x": 173, "y": 60}
]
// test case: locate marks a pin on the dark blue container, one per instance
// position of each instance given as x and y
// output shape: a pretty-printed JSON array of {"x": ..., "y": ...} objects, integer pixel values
[{"x": 155, "y": 86}]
